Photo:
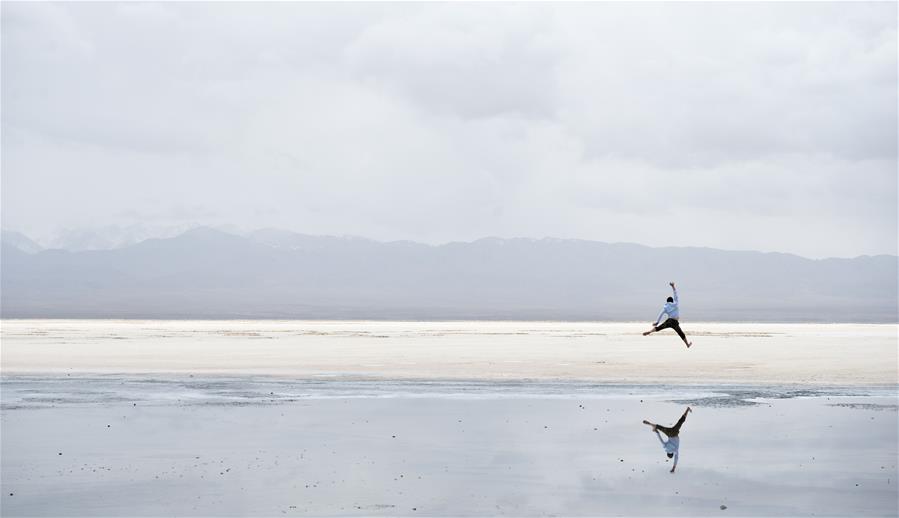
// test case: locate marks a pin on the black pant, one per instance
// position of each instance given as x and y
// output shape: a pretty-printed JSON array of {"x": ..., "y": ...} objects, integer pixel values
[
  {"x": 673, "y": 431},
  {"x": 673, "y": 324}
]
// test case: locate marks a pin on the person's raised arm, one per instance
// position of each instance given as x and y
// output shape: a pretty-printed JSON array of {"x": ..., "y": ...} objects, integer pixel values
[
  {"x": 676, "y": 455},
  {"x": 660, "y": 437},
  {"x": 674, "y": 289}
]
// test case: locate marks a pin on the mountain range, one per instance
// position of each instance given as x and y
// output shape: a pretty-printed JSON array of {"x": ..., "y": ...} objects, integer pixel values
[{"x": 270, "y": 273}]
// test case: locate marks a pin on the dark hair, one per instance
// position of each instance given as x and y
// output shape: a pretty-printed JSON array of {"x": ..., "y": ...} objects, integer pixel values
[
  {"x": 670, "y": 455},
  {"x": 670, "y": 299}
]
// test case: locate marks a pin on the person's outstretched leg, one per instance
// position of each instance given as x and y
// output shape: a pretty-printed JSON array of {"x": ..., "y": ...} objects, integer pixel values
[
  {"x": 652, "y": 425},
  {"x": 669, "y": 432},
  {"x": 680, "y": 333},
  {"x": 664, "y": 325},
  {"x": 676, "y": 428}
]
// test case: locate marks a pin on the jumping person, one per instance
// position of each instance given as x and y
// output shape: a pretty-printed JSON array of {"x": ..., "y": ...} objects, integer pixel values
[
  {"x": 671, "y": 310},
  {"x": 672, "y": 445}
]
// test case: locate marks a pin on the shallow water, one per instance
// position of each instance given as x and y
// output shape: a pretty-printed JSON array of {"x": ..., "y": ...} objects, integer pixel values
[
  {"x": 262, "y": 446},
  {"x": 29, "y": 392}
]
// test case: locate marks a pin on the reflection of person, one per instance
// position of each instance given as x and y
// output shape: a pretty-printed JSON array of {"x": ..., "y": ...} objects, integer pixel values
[
  {"x": 672, "y": 445},
  {"x": 673, "y": 313}
]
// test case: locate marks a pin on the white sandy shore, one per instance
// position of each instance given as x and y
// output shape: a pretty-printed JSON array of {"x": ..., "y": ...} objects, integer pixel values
[{"x": 839, "y": 354}]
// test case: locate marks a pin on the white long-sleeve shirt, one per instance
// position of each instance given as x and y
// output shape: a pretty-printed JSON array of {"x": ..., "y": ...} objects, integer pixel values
[
  {"x": 671, "y": 446},
  {"x": 670, "y": 308}
]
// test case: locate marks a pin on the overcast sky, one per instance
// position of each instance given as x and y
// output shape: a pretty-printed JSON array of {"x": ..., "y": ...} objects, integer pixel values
[{"x": 742, "y": 126}]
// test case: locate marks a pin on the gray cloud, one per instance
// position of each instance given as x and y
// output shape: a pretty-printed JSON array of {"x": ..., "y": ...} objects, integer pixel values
[{"x": 762, "y": 126}]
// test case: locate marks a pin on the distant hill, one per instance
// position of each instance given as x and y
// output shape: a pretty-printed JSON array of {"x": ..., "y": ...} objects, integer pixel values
[
  {"x": 19, "y": 241},
  {"x": 206, "y": 273}
]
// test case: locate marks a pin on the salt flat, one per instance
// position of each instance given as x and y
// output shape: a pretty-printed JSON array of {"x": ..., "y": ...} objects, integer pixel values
[
  {"x": 612, "y": 352},
  {"x": 291, "y": 418}
]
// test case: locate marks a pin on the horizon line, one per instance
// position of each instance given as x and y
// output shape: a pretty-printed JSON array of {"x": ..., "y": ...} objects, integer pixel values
[{"x": 246, "y": 234}]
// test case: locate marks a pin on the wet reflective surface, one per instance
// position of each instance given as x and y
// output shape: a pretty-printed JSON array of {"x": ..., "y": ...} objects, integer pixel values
[{"x": 260, "y": 446}]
